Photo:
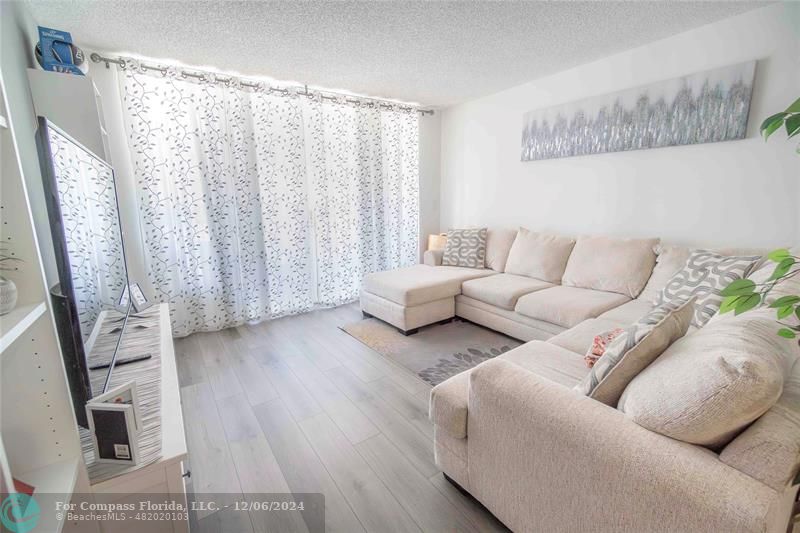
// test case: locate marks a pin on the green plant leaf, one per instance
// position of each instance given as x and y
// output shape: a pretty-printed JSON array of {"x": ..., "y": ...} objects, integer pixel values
[
  {"x": 728, "y": 304},
  {"x": 794, "y": 107},
  {"x": 771, "y": 124},
  {"x": 797, "y": 312},
  {"x": 782, "y": 269},
  {"x": 786, "y": 333},
  {"x": 746, "y": 303},
  {"x": 779, "y": 255},
  {"x": 783, "y": 312},
  {"x": 793, "y": 125},
  {"x": 783, "y": 301},
  {"x": 740, "y": 287}
]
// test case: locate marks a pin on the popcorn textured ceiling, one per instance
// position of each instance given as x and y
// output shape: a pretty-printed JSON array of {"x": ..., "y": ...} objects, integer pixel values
[{"x": 433, "y": 53}]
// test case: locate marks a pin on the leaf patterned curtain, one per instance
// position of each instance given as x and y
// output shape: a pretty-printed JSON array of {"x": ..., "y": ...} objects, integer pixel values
[{"x": 255, "y": 205}]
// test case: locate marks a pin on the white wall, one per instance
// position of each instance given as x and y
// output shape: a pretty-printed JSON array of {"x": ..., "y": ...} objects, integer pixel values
[
  {"x": 733, "y": 193},
  {"x": 430, "y": 134}
]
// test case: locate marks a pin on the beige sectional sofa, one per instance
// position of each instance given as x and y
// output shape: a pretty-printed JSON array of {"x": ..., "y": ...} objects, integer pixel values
[
  {"x": 543, "y": 457},
  {"x": 519, "y": 305}
]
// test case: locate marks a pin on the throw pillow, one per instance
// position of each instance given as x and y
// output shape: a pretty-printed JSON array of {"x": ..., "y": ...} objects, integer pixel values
[
  {"x": 632, "y": 351},
  {"x": 703, "y": 277},
  {"x": 465, "y": 248},
  {"x": 539, "y": 255},
  {"x": 711, "y": 384},
  {"x": 599, "y": 345}
]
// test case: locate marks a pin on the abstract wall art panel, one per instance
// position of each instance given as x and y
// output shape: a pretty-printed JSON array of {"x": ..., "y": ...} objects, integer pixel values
[{"x": 708, "y": 106}]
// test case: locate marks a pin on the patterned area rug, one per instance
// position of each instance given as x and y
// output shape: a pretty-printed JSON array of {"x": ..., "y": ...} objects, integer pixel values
[{"x": 436, "y": 352}]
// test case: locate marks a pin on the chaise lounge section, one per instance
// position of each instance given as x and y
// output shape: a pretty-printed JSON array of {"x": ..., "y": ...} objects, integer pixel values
[{"x": 415, "y": 296}]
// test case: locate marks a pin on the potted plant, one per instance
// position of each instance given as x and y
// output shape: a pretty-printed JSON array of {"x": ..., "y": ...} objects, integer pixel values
[
  {"x": 8, "y": 290},
  {"x": 745, "y": 294},
  {"x": 790, "y": 119}
]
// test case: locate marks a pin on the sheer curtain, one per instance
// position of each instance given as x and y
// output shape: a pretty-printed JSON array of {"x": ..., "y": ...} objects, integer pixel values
[{"x": 255, "y": 205}]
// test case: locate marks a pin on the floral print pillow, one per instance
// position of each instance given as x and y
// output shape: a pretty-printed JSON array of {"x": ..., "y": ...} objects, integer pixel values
[{"x": 599, "y": 346}]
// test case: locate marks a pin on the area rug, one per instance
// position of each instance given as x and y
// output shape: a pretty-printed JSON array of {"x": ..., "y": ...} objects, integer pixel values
[{"x": 436, "y": 352}]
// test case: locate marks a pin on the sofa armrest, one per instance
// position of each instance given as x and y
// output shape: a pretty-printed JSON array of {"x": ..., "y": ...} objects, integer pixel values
[
  {"x": 447, "y": 408},
  {"x": 433, "y": 257},
  {"x": 769, "y": 450},
  {"x": 541, "y": 453}
]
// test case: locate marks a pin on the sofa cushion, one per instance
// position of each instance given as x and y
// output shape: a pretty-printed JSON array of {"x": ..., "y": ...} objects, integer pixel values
[
  {"x": 630, "y": 353},
  {"x": 502, "y": 290},
  {"x": 539, "y": 255},
  {"x": 670, "y": 259},
  {"x": 548, "y": 361},
  {"x": 511, "y": 323},
  {"x": 711, "y": 384},
  {"x": 420, "y": 284},
  {"x": 449, "y": 399},
  {"x": 465, "y": 248},
  {"x": 704, "y": 275},
  {"x": 612, "y": 265},
  {"x": 630, "y": 312},
  {"x": 498, "y": 244},
  {"x": 567, "y": 306},
  {"x": 448, "y": 405},
  {"x": 579, "y": 339}
]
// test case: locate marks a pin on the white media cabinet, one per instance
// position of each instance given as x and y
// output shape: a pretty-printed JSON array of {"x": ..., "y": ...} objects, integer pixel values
[{"x": 164, "y": 477}]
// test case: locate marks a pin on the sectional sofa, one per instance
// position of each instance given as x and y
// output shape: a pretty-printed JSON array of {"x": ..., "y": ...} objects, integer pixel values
[{"x": 542, "y": 457}]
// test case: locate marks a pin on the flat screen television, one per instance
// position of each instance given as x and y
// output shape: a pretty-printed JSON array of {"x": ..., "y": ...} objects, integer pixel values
[{"x": 91, "y": 299}]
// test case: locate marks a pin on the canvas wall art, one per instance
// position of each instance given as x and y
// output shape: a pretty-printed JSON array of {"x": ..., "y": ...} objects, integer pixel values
[{"x": 708, "y": 106}]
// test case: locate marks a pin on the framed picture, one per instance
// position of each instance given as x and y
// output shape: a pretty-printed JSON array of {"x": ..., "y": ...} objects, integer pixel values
[
  {"x": 115, "y": 422},
  {"x": 124, "y": 394},
  {"x": 703, "y": 107},
  {"x": 140, "y": 301},
  {"x": 113, "y": 431}
]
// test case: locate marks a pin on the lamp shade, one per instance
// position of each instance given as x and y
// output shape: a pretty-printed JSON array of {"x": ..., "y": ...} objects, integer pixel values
[{"x": 437, "y": 241}]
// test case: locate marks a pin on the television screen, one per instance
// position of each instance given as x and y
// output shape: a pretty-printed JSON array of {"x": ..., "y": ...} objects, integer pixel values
[{"x": 91, "y": 302}]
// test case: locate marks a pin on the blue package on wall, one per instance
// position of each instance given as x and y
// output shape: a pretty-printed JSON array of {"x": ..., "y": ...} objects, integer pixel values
[{"x": 57, "y": 51}]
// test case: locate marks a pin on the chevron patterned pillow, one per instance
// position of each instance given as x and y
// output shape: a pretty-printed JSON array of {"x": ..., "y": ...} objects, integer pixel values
[
  {"x": 465, "y": 248},
  {"x": 703, "y": 277}
]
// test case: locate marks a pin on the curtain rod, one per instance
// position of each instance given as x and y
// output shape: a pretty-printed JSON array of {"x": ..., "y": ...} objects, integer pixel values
[{"x": 200, "y": 74}]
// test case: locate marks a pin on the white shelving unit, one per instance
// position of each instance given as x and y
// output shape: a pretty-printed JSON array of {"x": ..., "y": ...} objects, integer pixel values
[
  {"x": 52, "y": 479},
  {"x": 17, "y": 322},
  {"x": 39, "y": 441}
]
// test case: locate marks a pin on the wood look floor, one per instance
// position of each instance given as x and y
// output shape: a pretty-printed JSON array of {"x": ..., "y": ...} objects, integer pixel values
[{"x": 297, "y": 405}]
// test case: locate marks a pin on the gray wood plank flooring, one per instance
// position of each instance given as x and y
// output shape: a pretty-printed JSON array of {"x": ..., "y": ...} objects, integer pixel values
[{"x": 297, "y": 405}]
